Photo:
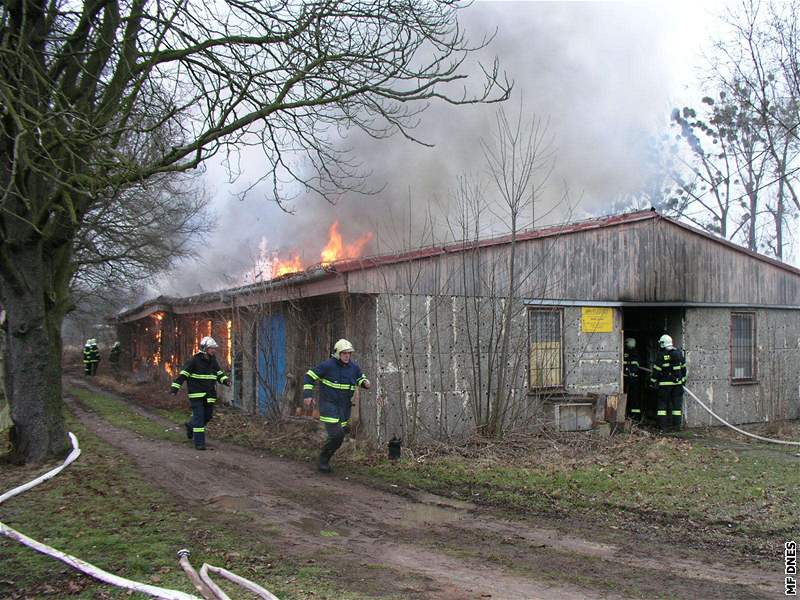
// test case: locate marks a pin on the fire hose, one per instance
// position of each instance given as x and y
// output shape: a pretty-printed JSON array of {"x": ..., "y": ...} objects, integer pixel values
[
  {"x": 724, "y": 422},
  {"x": 202, "y": 582}
]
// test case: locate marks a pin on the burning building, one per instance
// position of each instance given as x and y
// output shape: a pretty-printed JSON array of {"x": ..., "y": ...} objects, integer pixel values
[{"x": 453, "y": 342}]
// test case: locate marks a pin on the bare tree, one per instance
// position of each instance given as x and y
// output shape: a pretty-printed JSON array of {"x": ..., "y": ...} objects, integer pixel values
[
  {"x": 454, "y": 328},
  {"x": 98, "y": 95},
  {"x": 740, "y": 175},
  {"x": 126, "y": 240},
  {"x": 519, "y": 161}
]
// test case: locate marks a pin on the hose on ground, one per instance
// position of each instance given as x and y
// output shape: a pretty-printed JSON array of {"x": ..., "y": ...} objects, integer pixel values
[
  {"x": 77, "y": 563},
  {"x": 742, "y": 431},
  {"x": 201, "y": 582},
  {"x": 724, "y": 422}
]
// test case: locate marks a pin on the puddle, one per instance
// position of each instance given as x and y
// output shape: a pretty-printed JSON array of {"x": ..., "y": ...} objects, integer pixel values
[
  {"x": 435, "y": 509},
  {"x": 320, "y": 528},
  {"x": 425, "y": 513},
  {"x": 442, "y": 501}
]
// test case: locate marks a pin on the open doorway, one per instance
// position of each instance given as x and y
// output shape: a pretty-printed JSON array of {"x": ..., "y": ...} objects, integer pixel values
[{"x": 646, "y": 325}]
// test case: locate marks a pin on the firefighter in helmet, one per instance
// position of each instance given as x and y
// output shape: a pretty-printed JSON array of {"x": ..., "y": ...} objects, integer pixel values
[
  {"x": 114, "y": 356},
  {"x": 338, "y": 378},
  {"x": 668, "y": 377},
  {"x": 91, "y": 357},
  {"x": 201, "y": 372},
  {"x": 631, "y": 379}
]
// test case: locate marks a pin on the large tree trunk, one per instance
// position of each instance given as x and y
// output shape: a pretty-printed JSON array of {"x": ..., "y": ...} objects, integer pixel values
[{"x": 33, "y": 354}]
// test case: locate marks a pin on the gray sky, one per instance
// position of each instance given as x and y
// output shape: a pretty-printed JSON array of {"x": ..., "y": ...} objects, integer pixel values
[{"x": 604, "y": 75}]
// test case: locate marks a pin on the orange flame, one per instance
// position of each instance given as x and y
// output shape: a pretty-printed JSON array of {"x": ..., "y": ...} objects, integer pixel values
[
  {"x": 157, "y": 355},
  {"x": 282, "y": 267},
  {"x": 230, "y": 343},
  {"x": 269, "y": 264},
  {"x": 337, "y": 249}
]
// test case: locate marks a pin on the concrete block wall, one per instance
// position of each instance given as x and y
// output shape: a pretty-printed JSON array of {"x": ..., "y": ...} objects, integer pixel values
[
  {"x": 774, "y": 395},
  {"x": 592, "y": 361},
  {"x": 433, "y": 356}
]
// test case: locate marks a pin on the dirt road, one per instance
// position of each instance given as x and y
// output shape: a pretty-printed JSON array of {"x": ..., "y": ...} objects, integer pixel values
[{"x": 417, "y": 545}]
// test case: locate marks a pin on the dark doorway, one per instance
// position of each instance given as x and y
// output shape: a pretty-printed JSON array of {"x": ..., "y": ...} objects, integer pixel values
[{"x": 646, "y": 325}]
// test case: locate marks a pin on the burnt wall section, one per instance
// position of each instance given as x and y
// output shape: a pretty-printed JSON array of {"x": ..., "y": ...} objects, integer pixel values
[
  {"x": 278, "y": 342},
  {"x": 155, "y": 347}
]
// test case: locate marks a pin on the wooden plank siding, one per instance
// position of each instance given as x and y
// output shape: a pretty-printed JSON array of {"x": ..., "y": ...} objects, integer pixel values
[{"x": 647, "y": 261}]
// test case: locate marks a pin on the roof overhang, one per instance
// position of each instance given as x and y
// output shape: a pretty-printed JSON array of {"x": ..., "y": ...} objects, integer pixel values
[{"x": 629, "y": 304}]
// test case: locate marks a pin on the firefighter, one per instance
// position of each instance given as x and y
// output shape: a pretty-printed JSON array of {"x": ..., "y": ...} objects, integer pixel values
[
  {"x": 87, "y": 351},
  {"x": 668, "y": 376},
  {"x": 201, "y": 373},
  {"x": 338, "y": 378},
  {"x": 91, "y": 357},
  {"x": 113, "y": 356},
  {"x": 631, "y": 379}
]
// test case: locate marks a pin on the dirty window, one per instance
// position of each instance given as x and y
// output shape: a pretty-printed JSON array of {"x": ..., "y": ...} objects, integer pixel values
[
  {"x": 743, "y": 346},
  {"x": 545, "y": 343}
]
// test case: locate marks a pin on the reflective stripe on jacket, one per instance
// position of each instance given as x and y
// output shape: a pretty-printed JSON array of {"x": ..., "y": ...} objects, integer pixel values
[
  {"x": 669, "y": 368},
  {"x": 201, "y": 374},
  {"x": 91, "y": 354},
  {"x": 337, "y": 382}
]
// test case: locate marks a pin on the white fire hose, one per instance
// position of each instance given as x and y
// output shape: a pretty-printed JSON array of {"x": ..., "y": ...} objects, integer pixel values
[
  {"x": 202, "y": 582},
  {"x": 724, "y": 422}
]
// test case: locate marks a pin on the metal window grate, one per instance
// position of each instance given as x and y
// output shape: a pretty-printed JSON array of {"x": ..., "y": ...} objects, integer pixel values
[
  {"x": 743, "y": 344},
  {"x": 544, "y": 326}
]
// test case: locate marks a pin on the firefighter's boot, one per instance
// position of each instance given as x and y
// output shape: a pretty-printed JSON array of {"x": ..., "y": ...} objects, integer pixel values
[
  {"x": 324, "y": 462},
  {"x": 189, "y": 433}
]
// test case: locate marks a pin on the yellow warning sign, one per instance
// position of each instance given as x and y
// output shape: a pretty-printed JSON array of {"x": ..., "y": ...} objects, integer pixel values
[{"x": 596, "y": 319}]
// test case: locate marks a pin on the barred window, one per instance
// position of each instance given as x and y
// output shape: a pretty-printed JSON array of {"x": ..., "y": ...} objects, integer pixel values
[
  {"x": 545, "y": 343},
  {"x": 743, "y": 346}
]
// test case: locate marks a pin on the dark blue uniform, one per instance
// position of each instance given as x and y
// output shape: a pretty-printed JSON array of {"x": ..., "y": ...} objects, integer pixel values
[
  {"x": 337, "y": 383},
  {"x": 91, "y": 358},
  {"x": 201, "y": 372},
  {"x": 631, "y": 382},
  {"x": 669, "y": 375}
]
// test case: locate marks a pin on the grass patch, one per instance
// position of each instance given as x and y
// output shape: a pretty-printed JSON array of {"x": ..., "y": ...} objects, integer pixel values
[
  {"x": 121, "y": 414},
  {"x": 102, "y": 510},
  {"x": 713, "y": 487},
  {"x": 670, "y": 477}
]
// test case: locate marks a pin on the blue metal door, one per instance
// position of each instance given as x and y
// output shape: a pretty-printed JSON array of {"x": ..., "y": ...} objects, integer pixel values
[{"x": 271, "y": 363}]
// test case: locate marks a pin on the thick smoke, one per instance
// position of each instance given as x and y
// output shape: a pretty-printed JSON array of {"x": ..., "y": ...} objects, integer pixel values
[{"x": 600, "y": 74}]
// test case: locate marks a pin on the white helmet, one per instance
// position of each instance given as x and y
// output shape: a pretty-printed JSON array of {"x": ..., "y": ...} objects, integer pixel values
[
  {"x": 665, "y": 341},
  {"x": 630, "y": 343},
  {"x": 208, "y": 342},
  {"x": 342, "y": 346}
]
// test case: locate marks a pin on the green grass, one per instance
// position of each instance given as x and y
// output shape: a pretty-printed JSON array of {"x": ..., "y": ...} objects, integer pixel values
[
  {"x": 674, "y": 479},
  {"x": 121, "y": 414},
  {"x": 102, "y": 510},
  {"x": 657, "y": 480}
]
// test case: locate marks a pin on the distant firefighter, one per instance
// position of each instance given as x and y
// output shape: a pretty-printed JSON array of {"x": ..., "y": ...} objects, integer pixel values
[
  {"x": 113, "y": 356},
  {"x": 91, "y": 357},
  {"x": 631, "y": 379}
]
